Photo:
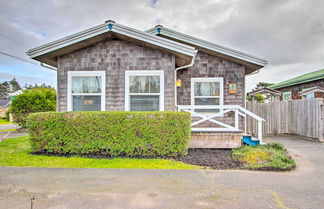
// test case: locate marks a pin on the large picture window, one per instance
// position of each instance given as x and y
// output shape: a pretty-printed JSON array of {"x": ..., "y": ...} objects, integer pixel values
[
  {"x": 86, "y": 91},
  {"x": 206, "y": 91},
  {"x": 144, "y": 90}
]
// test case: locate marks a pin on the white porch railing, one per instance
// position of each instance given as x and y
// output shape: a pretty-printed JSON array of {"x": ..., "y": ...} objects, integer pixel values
[{"x": 213, "y": 115}]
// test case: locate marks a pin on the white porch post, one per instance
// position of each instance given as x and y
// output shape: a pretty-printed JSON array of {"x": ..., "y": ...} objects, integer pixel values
[
  {"x": 260, "y": 131},
  {"x": 236, "y": 119}
]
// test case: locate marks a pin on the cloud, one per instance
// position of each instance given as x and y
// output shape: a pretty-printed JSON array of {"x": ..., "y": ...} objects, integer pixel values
[{"x": 287, "y": 33}]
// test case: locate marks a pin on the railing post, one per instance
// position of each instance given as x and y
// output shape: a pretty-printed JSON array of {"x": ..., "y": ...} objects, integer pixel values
[
  {"x": 260, "y": 131},
  {"x": 236, "y": 119}
]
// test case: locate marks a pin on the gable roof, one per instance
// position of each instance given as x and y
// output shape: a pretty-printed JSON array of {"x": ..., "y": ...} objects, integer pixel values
[
  {"x": 311, "y": 90},
  {"x": 49, "y": 52},
  {"x": 264, "y": 90},
  {"x": 252, "y": 63},
  {"x": 312, "y": 76}
]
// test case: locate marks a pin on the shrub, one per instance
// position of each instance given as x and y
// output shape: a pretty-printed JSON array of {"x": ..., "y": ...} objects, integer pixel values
[
  {"x": 276, "y": 146},
  {"x": 115, "y": 133},
  {"x": 272, "y": 156},
  {"x": 7, "y": 115},
  {"x": 30, "y": 101}
]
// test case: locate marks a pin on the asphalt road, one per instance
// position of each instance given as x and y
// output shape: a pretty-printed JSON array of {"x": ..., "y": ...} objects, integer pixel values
[{"x": 135, "y": 188}]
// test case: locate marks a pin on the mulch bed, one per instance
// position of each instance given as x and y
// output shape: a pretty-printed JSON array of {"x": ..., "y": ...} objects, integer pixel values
[{"x": 212, "y": 158}]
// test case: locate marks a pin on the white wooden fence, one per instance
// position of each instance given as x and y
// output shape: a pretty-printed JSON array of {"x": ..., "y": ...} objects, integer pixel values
[{"x": 304, "y": 117}]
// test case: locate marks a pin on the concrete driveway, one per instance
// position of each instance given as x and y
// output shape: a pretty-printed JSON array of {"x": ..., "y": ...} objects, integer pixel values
[{"x": 127, "y": 188}]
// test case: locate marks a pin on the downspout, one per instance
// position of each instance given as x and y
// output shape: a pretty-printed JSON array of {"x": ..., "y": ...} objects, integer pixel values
[{"x": 175, "y": 77}]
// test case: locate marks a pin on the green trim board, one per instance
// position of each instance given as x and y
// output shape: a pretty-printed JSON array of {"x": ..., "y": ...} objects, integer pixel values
[{"x": 308, "y": 77}]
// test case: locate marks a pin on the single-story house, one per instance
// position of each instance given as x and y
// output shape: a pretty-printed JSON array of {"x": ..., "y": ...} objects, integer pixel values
[
  {"x": 309, "y": 85},
  {"x": 270, "y": 95},
  {"x": 114, "y": 67}
]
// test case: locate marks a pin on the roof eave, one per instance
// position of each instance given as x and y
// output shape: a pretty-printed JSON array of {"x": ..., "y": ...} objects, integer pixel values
[
  {"x": 110, "y": 26},
  {"x": 278, "y": 86},
  {"x": 256, "y": 62}
]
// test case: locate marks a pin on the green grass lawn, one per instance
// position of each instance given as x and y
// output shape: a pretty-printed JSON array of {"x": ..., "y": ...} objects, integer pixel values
[
  {"x": 7, "y": 130},
  {"x": 4, "y": 121},
  {"x": 15, "y": 152},
  {"x": 272, "y": 156}
]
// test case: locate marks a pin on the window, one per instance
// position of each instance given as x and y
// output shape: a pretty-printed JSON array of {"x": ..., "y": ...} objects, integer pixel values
[
  {"x": 207, "y": 91},
  {"x": 144, "y": 90},
  {"x": 286, "y": 95},
  {"x": 86, "y": 90},
  {"x": 310, "y": 95}
]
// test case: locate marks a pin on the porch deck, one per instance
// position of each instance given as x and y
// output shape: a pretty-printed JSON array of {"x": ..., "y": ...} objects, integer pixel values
[{"x": 219, "y": 126}]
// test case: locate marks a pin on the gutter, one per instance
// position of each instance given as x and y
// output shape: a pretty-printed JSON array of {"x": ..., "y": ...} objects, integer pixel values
[
  {"x": 48, "y": 66},
  {"x": 175, "y": 76}
]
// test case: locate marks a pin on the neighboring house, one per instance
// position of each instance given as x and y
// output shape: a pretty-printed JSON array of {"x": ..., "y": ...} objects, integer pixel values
[
  {"x": 269, "y": 95},
  {"x": 114, "y": 67},
  {"x": 309, "y": 85},
  {"x": 5, "y": 103}
]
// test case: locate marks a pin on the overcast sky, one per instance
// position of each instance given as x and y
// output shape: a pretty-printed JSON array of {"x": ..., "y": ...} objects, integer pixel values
[{"x": 287, "y": 33}]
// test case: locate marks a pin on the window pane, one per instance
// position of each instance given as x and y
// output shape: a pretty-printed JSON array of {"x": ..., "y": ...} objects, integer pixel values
[
  {"x": 144, "y": 84},
  {"x": 134, "y": 84},
  {"x": 86, "y": 84},
  {"x": 139, "y": 84},
  {"x": 206, "y": 101},
  {"x": 144, "y": 103},
  {"x": 310, "y": 95},
  {"x": 206, "y": 88},
  {"x": 86, "y": 103},
  {"x": 154, "y": 84}
]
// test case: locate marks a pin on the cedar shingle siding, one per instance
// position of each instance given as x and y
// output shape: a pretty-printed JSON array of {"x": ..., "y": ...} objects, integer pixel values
[
  {"x": 211, "y": 66},
  {"x": 115, "y": 57}
]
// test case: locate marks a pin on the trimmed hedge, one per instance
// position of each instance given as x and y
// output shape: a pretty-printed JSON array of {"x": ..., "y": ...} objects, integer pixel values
[{"x": 115, "y": 133}]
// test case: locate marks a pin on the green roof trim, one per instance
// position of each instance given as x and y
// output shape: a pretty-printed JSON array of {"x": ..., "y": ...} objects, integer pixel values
[{"x": 313, "y": 76}]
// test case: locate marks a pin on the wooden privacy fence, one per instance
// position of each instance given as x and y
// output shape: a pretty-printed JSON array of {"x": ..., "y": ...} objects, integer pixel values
[{"x": 304, "y": 117}]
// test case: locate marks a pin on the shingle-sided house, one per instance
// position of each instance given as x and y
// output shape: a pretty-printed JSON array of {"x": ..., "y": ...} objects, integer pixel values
[
  {"x": 309, "y": 85},
  {"x": 114, "y": 67}
]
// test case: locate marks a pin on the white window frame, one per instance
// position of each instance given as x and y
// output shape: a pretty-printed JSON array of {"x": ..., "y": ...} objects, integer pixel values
[
  {"x": 144, "y": 73},
  {"x": 286, "y": 92},
  {"x": 213, "y": 79},
  {"x": 102, "y": 74}
]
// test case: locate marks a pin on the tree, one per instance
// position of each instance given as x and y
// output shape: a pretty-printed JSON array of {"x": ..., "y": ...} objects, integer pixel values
[
  {"x": 262, "y": 85},
  {"x": 15, "y": 85},
  {"x": 44, "y": 85},
  {"x": 3, "y": 91},
  {"x": 259, "y": 98}
]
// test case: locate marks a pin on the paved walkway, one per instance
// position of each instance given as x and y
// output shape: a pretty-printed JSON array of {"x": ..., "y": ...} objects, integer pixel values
[
  {"x": 8, "y": 126},
  {"x": 134, "y": 188},
  {"x": 9, "y": 134}
]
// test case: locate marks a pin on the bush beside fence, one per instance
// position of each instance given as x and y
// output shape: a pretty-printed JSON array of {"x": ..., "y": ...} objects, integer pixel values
[{"x": 115, "y": 133}]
